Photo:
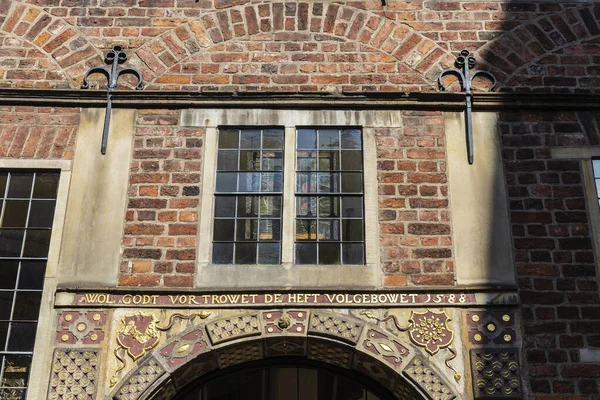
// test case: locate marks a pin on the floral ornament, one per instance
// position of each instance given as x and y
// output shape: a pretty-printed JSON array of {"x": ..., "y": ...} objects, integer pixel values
[
  {"x": 139, "y": 333},
  {"x": 430, "y": 330}
]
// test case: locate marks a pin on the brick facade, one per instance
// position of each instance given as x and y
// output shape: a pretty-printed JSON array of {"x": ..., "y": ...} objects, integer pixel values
[{"x": 337, "y": 48}]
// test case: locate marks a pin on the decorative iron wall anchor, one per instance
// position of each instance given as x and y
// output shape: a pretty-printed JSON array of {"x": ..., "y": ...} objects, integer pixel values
[
  {"x": 114, "y": 57},
  {"x": 464, "y": 62}
]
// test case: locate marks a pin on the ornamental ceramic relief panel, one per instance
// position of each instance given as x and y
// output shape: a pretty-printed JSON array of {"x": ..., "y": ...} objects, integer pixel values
[{"x": 74, "y": 374}]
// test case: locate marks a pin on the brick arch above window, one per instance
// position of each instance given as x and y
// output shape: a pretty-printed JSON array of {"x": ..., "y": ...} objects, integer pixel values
[
  {"x": 317, "y": 28},
  {"x": 522, "y": 55},
  {"x": 57, "y": 52}
]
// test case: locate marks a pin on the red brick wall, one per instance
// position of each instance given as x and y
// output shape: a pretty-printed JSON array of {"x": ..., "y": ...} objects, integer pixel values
[
  {"x": 236, "y": 45},
  {"x": 38, "y": 132},
  {"x": 414, "y": 215},
  {"x": 162, "y": 213},
  {"x": 554, "y": 258}
]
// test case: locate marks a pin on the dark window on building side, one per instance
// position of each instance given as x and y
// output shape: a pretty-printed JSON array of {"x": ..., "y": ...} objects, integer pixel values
[{"x": 27, "y": 203}]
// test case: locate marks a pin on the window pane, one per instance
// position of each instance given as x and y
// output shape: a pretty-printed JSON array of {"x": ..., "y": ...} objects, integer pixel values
[
  {"x": 245, "y": 253},
  {"x": 272, "y": 139},
  {"x": 268, "y": 253},
  {"x": 8, "y": 274},
  {"x": 307, "y": 161},
  {"x": 249, "y": 182},
  {"x": 227, "y": 160},
  {"x": 27, "y": 305},
  {"x": 352, "y": 230},
  {"x": 271, "y": 182},
  {"x": 3, "y": 335},
  {"x": 306, "y": 229},
  {"x": 306, "y": 206},
  {"x": 32, "y": 274},
  {"x": 270, "y": 229},
  {"x": 353, "y": 253},
  {"x": 351, "y": 139},
  {"x": 595, "y": 164},
  {"x": 6, "y": 300},
  {"x": 36, "y": 243},
  {"x": 329, "y": 253},
  {"x": 226, "y": 182},
  {"x": 3, "y": 179},
  {"x": 228, "y": 139},
  {"x": 329, "y": 139},
  {"x": 329, "y": 229},
  {"x": 351, "y": 183},
  {"x": 223, "y": 230},
  {"x": 223, "y": 253},
  {"x": 306, "y": 182},
  {"x": 247, "y": 230},
  {"x": 225, "y": 206},
  {"x": 15, "y": 213},
  {"x": 329, "y": 160},
  {"x": 11, "y": 241},
  {"x": 351, "y": 160},
  {"x": 306, "y": 253},
  {"x": 250, "y": 160},
  {"x": 270, "y": 206},
  {"x": 22, "y": 336},
  {"x": 41, "y": 214},
  {"x": 250, "y": 139},
  {"x": 272, "y": 161},
  {"x": 20, "y": 185},
  {"x": 247, "y": 206},
  {"x": 329, "y": 182},
  {"x": 329, "y": 207},
  {"x": 306, "y": 139},
  {"x": 352, "y": 207},
  {"x": 45, "y": 185},
  {"x": 15, "y": 371}
]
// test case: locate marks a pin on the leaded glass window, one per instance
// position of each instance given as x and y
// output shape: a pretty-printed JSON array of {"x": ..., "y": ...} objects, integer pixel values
[
  {"x": 596, "y": 169},
  {"x": 248, "y": 196},
  {"x": 27, "y": 202},
  {"x": 329, "y": 196}
]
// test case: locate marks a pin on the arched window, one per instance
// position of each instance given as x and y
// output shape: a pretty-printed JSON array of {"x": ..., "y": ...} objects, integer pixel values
[{"x": 285, "y": 382}]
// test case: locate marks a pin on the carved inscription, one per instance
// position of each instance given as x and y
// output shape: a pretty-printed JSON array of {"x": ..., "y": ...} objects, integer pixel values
[{"x": 290, "y": 298}]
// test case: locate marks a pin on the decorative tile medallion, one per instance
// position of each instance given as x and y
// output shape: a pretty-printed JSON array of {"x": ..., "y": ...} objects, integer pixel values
[
  {"x": 240, "y": 354},
  {"x": 428, "y": 380},
  {"x": 142, "y": 378},
  {"x": 335, "y": 325},
  {"x": 491, "y": 327},
  {"x": 430, "y": 330},
  {"x": 232, "y": 328},
  {"x": 496, "y": 374},
  {"x": 285, "y": 346},
  {"x": 78, "y": 327},
  {"x": 289, "y": 322},
  {"x": 74, "y": 374},
  {"x": 184, "y": 347},
  {"x": 385, "y": 348}
]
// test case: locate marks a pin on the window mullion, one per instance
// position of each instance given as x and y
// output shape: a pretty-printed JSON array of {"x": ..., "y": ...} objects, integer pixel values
[{"x": 289, "y": 199}]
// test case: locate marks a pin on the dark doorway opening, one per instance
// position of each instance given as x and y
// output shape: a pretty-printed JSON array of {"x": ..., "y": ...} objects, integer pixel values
[{"x": 289, "y": 379}]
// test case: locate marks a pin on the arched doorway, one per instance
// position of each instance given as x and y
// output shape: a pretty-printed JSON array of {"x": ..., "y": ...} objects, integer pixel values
[
  {"x": 317, "y": 337},
  {"x": 284, "y": 379}
]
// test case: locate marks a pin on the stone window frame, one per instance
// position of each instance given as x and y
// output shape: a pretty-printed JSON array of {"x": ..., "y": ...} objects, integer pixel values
[
  {"x": 287, "y": 274},
  {"x": 42, "y": 350}
]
